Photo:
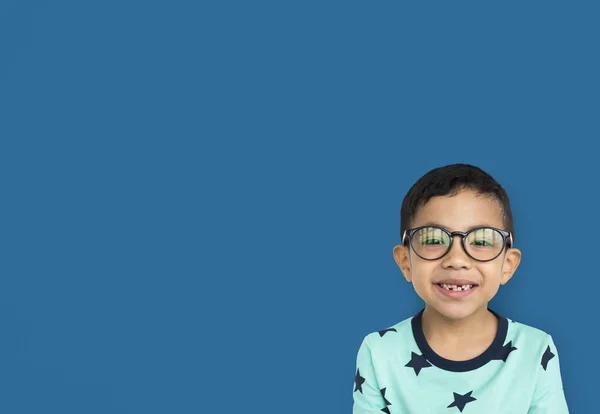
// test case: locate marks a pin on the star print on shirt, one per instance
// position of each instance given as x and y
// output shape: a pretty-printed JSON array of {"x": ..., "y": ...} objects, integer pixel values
[
  {"x": 385, "y": 409},
  {"x": 358, "y": 381},
  {"x": 383, "y": 332},
  {"x": 382, "y": 391},
  {"x": 461, "y": 400},
  {"x": 548, "y": 355},
  {"x": 505, "y": 351},
  {"x": 417, "y": 362}
]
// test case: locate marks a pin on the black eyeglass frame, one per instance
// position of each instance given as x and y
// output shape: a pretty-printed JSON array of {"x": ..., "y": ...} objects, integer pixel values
[{"x": 507, "y": 240}]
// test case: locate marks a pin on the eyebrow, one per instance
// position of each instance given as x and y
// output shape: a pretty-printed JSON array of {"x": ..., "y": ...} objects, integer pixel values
[{"x": 432, "y": 224}]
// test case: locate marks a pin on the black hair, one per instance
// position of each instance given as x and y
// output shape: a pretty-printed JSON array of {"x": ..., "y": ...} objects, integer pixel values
[{"x": 449, "y": 180}]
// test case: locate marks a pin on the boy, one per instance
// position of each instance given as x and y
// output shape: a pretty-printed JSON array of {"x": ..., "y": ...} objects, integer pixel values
[{"x": 456, "y": 355}]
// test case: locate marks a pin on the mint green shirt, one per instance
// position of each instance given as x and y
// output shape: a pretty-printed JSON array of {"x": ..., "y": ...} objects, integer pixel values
[{"x": 397, "y": 372}]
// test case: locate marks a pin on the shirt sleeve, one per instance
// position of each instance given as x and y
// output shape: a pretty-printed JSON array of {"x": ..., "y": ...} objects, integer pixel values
[
  {"x": 367, "y": 396},
  {"x": 548, "y": 396}
]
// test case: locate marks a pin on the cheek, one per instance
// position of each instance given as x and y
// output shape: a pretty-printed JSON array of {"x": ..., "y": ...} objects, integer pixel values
[
  {"x": 489, "y": 291},
  {"x": 423, "y": 291},
  {"x": 492, "y": 275},
  {"x": 423, "y": 275},
  {"x": 491, "y": 272}
]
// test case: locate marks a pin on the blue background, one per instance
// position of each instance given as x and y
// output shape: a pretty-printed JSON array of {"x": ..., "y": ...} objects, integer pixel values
[{"x": 200, "y": 199}]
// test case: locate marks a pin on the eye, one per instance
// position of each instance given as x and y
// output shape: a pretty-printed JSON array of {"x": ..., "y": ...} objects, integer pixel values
[
  {"x": 481, "y": 242},
  {"x": 432, "y": 237},
  {"x": 484, "y": 237}
]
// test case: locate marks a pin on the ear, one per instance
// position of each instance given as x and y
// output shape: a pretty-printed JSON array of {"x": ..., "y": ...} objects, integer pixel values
[
  {"x": 511, "y": 262},
  {"x": 401, "y": 256}
]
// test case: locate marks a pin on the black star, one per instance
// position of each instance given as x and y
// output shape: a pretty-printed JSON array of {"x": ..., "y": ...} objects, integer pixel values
[
  {"x": 381, "y": 333},
  {"x": 358, "y": 381},
  {"x": 386, "y": 410},
  {"x": 505, "y": 351},
  {"x": 384, "y": 399},
  {"x": 461, "y": 400},
  {"x": 548, "y": 355},
  {"x": 417, "y": 362}
]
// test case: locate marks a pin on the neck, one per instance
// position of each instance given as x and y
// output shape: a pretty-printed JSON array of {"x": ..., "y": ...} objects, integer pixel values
[{"x": 437, "y": 327}]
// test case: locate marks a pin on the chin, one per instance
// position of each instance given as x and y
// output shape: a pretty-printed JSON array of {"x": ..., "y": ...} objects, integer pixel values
[{"x": 456, "y": 311}]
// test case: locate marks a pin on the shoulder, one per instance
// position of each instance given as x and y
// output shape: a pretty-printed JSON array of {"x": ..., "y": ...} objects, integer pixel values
[
  {"x": 390, "y": 338},
  {"x": 537, "y": 340}
]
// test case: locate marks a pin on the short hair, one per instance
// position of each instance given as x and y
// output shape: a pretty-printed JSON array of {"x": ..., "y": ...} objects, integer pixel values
[{"x": 449, "y": 180}]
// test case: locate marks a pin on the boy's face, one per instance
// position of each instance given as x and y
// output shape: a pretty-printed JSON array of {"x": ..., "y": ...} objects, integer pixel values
[{"x": 461, "y": 212}]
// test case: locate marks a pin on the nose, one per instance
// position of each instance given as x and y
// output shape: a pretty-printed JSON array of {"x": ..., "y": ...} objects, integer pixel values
[{"x": 456, "y": 258}]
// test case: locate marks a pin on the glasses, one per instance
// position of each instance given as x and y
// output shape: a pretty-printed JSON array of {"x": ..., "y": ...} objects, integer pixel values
[{"x": 482, "y": 243}]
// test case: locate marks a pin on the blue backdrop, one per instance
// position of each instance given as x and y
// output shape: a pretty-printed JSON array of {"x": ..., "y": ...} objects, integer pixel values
[{"x": 200, "y": 199}]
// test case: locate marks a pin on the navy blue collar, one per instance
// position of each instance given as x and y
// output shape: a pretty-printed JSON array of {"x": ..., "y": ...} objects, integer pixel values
[{"x": 489, "y": 354}]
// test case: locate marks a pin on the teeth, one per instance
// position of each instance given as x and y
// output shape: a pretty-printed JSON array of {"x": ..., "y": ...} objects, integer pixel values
[{"x": 456, "y": 288}]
